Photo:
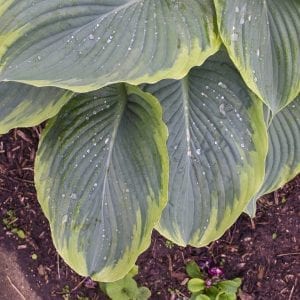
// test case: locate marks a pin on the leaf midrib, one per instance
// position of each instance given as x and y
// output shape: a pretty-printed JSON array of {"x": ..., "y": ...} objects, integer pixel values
[{"x": 116, "y": 124}]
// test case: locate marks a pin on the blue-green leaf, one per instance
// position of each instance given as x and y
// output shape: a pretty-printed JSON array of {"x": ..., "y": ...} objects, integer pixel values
[
  {"x": 283, "y": 159},
  {"x": 84, "y": 45},
  {"x": 23, "y": 105},
  {"x": 263, "y": 40},
  {"x": 101, "y": 176},
  {"x": 217, "y": 146}
]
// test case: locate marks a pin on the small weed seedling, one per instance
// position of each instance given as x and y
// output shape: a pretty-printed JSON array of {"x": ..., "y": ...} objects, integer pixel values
[
  {"x": 210, "y": 285},
  {"x": 169, "y": 244},
  {"x": 126, "y": 288},
  {"x": 9, "y": 222}
]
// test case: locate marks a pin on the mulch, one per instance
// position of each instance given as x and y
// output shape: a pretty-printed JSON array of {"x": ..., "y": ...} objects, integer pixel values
[{"x": 264, "y": 252}]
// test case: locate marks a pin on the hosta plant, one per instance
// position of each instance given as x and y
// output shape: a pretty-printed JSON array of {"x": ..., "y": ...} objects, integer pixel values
[{"x": 167, "y": 114}]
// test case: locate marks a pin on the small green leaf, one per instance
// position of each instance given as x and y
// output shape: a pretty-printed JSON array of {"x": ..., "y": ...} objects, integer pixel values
[
  {"x": 230, "y": 286},
  {"x": 19, "y": 232},
  {"x": 124, "y": 289},
  {"x": 212, "y": 292},
  {"x": 143, "y": 293},
  {"x": 202, "y": 297},
  {"x": 196, "y": 285},
  {"x": 193, "y": 270},
  {"x": 226, "y": 296}
]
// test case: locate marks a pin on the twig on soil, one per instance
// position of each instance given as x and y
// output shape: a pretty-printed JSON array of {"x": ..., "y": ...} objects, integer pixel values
[
  {"x": 79, "y": 284},
  {"x": 288, "y": 254},
  {"x": 293, "y": 288},
  {"x": 6, "y": 190},
  {"x": 23, "y": 169},
  {"x": 276, "y": 197},
  {"x": 58, "y": 268},
  {"x": 170, "y": 263},
  {"x": 19, "y": 179},
  {"x": 16, "y": 289},
  {"x": 154, "y": 248}
]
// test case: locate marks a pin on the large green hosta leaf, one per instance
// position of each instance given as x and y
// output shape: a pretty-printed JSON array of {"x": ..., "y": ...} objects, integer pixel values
[
  {"x": 23, "y": 105},
  {"x": 217, "y": 146},
  {"x": 263, "y": 39},
  {"x": 83, "y": 45},
  {"x": 101, "y": 178},
  {"x": 283, "y": 159}
]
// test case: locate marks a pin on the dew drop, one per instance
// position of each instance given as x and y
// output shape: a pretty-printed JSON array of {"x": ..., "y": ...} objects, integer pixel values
[
  {"x": 73, "y": 196},
  {"x": 234, "y": 37},
  {"x": 222, "y": 85},
  {"x": 64, "y": 219},
  {"x": 91, "y": 37},
  {"x": 222, "y": 109}
]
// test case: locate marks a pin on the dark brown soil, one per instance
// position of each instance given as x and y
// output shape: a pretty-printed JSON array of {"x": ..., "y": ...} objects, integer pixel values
[{"x": 264, "y": 252}]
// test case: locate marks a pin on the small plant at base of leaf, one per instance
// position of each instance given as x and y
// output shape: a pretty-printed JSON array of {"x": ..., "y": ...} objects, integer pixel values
[
  {"x": 169, "y": 244},
  {"x": 126, "y": 288},
  {"x": 9, "y": 222},
  {"x": 210, "y": 285}
]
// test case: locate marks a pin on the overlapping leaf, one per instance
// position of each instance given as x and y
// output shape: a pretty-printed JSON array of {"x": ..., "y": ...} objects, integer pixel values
[
  {"x": 263, "y": 39},
  {"x": 283, "y": 159},
  {"x": 217, "y": 147},
  {"x": 84, "y": 45},
  {"x": 101, "y": 178},
  {"x": 23, "y": 105}
]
